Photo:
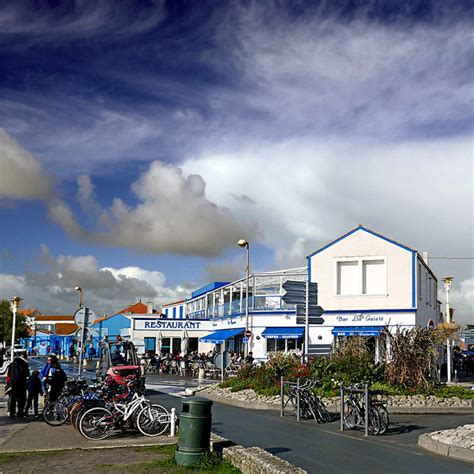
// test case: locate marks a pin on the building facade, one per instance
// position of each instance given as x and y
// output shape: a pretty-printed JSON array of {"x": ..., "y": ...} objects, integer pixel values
[{"x": 368, "y": 283}]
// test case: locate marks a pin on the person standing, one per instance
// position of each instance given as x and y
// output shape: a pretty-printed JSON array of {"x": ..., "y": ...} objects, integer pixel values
[
  {"x": 58, "y": 380},
  {"x": 18, "y": 372},
  {"x": 35, "y": 389}
]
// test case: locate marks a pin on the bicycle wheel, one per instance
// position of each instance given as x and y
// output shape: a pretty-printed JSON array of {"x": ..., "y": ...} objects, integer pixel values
[
  {"x": 351, "y": 417},
  {"x": 96, "y": 423},
  {"x": 374, "y": 421},
  {"x": 383, "y": 418},
  {"x": 153, "y": 420},
  {"x": 323, "y": 412},
  {"x": 55, "y": 413}
]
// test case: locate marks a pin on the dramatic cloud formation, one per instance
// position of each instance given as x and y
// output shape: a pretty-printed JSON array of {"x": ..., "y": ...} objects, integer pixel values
[
  {"x": 174, "y": 215},
  {"x": 21, "y": 176},
  {"x": 105, "y": 289}
]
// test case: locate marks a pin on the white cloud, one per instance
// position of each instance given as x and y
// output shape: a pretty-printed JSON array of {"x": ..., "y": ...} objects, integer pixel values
[
  {"x": 21, "y": 175},
  {"x": 106, "y": 289},
  {"x": 173, "y": 215},
  {"x": 462, "y": 300}
]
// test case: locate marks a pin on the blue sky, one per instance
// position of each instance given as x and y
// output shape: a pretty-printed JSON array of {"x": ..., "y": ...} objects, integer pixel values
[{"x": 140, "y": 140}]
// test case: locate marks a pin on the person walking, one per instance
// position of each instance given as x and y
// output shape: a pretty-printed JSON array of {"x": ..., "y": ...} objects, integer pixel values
[
  {"x": 35, "y": 389},
  {"x": 17, "y": 374},
  {"x": 58, "y": 380},
  {"x": 47, "y": 372}
]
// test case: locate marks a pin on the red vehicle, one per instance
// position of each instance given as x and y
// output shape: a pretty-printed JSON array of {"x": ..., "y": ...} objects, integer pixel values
[{"x": 118, "y": 361}]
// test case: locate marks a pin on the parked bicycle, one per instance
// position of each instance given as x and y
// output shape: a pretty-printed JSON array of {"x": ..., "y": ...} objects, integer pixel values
[{"x": 354, "y": 414}]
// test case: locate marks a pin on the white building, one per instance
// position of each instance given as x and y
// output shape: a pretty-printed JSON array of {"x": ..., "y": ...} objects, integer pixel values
[
  {"x": 215, "y": 318},
  {"x": 368, "y": 282}
]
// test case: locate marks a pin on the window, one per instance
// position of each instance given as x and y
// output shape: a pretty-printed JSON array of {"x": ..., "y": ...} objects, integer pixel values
[
  {"x": 180, "y": 312},
  {"x": 174, "y": 312},
  {"x": 284, "y": 345},
  {"x": 373, "y": 278},
  {"x": 150, "y": 344},
  {"x": 361, "y": 276},
  {"x": 348, "y": 278}
]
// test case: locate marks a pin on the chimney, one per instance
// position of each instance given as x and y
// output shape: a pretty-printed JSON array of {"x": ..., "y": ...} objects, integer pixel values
[
  {"x": 150, "y": 307},
  {"x": 426, "y": 258}
]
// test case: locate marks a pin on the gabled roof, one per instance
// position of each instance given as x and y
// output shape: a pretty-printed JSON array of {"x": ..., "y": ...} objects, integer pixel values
[
  {"x": 137, "y": 308},
  {"x": 65, "y": 329},
  {"x": 28, "y": 312},
  {"x": 365, "y": 229},
  {"x": 54, "y": 317}
]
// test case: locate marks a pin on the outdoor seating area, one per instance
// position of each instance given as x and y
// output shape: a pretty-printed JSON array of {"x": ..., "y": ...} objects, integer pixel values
[{"x": 192, "y": 365}]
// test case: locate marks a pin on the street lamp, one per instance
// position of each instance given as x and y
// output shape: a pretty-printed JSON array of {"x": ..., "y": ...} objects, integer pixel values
[
  {"x": 244, "y": 244},
  {"x": 14, "y": 304},
  {"x": 78, "y": 288},
  {"x": 447, "y": 284}
]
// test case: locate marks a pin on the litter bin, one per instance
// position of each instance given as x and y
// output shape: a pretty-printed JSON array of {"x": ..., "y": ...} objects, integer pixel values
[{"x": 194, "y": 430}]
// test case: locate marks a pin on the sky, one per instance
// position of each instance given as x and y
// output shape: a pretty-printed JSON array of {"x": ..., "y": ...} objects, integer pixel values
[{"x": 140, "y": 140}]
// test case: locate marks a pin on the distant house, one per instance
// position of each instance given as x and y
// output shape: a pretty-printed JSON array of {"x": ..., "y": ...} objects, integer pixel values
[{"x": 175, "y": 310}]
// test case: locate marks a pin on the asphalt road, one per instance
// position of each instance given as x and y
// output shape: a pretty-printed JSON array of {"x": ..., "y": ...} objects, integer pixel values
[{"x": 322, "y": 448}]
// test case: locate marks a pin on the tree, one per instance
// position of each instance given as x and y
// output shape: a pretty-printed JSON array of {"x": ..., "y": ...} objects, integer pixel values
[{"x": 6, "y": 321}]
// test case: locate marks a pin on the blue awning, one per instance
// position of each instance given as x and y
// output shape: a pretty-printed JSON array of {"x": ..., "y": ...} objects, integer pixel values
[
  {"x": 283, "y": 333},
  {"x": 222, "y": 335},
  {"x": 358, "y": 330}
]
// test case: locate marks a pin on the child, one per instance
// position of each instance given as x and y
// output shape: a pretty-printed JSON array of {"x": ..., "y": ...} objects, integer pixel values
[{"x": 35, "y": 388}]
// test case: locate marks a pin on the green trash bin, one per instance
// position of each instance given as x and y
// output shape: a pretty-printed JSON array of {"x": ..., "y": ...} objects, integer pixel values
[{"x": 194, "y": 430}]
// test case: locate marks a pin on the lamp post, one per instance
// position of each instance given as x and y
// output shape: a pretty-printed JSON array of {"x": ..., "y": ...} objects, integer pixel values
[
  {"x": 79, "y": 289},
  {"x": 14, "y": 303},
  {"x": 244, "y": 244},
  {"x": 447, "y": 284}
]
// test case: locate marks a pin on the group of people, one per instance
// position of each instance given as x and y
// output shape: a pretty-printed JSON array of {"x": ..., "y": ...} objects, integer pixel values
[
  {"x": 24, "y": 388},
  {"x": 163, "y": 362}
]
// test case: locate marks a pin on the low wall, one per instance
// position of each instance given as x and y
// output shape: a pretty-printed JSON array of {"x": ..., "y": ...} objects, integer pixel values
[{"x": 396, "y": 403}]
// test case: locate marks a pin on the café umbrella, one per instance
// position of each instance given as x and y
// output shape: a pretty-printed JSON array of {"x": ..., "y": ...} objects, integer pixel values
[{"x": 184, "y": 342}]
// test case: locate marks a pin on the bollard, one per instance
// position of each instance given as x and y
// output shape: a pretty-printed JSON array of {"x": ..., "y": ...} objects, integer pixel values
[
  {"x": 173, "y": 422},
  {"x": 194, "y": 430},
  {"x": 201, "y": 375}
]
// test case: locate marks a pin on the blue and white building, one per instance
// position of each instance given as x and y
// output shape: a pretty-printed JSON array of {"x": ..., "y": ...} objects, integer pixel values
[
  {"x": 366, "y": 283},
  {"x": 215, "y": 318}
]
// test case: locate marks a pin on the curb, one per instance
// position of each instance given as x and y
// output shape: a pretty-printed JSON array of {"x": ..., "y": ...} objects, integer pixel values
[
  {"x": 252, "y": 460},
  {"x": 443, "y": 449},
  {"x": 256, "y": 405}
]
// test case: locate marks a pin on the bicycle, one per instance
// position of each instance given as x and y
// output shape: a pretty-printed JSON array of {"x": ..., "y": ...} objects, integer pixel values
[
  {"x": 354, "y": 411},
  {"x": 150, "y": 419}
]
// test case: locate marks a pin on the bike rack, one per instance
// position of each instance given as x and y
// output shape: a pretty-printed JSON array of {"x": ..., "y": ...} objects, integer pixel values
[{"x": 345, "y": 390}]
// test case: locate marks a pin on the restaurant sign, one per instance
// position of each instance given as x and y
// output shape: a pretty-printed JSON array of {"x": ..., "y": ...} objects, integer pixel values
[{"x": 163, "y": 324}]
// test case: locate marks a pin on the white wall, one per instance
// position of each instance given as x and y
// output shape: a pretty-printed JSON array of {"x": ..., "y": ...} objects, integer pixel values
[
  {"x": 398, "y": 294},
  {"x": 427, "y": 290}
]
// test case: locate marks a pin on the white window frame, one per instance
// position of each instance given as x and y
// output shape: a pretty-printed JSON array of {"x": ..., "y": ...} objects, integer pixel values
[{"x": 360, "y": 264}]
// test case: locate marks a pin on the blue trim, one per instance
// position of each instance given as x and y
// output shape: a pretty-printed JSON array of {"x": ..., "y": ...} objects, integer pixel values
[
  {"x": 413, "y": 279},
  {"x": 283, "y": 333},
  {"x": 366, "y": 230},
  {"x": 208, "y": 288},
  {"x": 357, "y": 330},
  {"x": 309, "y": 269},
  {"x": 349, "y": 311},
  {"x": 218, "y": 337}
]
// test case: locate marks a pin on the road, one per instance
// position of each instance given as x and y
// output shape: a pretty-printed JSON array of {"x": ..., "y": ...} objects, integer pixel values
[{"x": 323, "y": 448}]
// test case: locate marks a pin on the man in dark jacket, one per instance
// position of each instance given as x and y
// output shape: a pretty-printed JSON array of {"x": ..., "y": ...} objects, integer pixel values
[
  {"x": 58, "y": 380},
  {"x": 17, "y": 375}
]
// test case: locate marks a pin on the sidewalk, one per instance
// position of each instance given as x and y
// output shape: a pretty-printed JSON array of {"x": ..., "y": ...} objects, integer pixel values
[
  {"x": 457, "y": 443},
  {"x": 39, "y": 436}
]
